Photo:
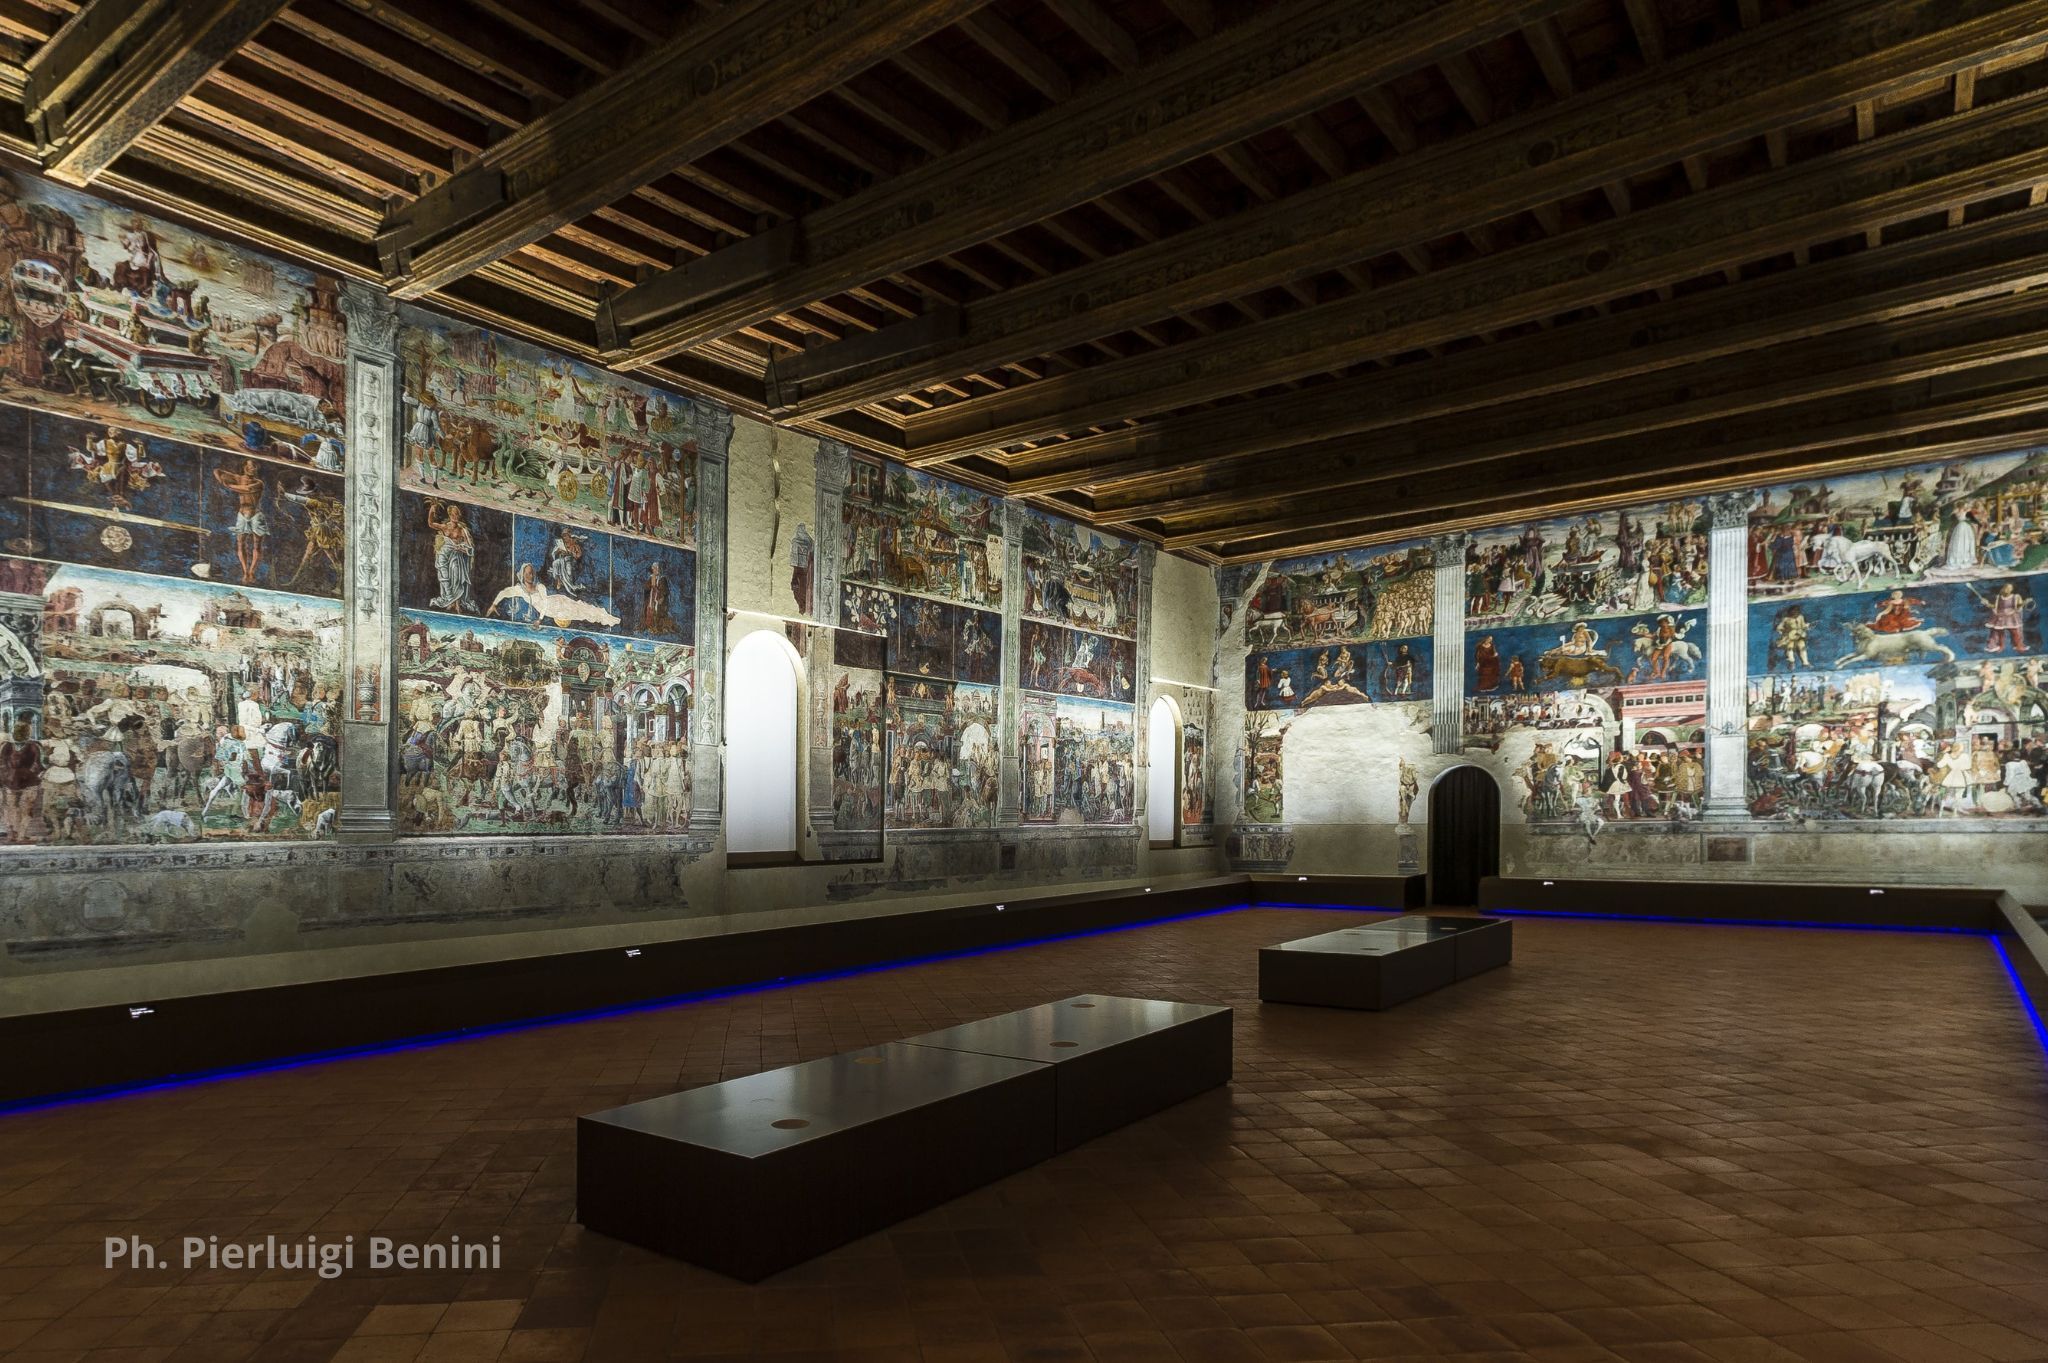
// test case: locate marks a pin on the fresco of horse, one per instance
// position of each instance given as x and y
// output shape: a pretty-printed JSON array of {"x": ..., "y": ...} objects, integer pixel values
[
  {"x": 1942, "y": 740},
  {"x": 113, "y": 316},
  {"x": 492, "y": 421},
  {"x": 1586, "y": 567},
  {"x": 1913, "y": 527}
]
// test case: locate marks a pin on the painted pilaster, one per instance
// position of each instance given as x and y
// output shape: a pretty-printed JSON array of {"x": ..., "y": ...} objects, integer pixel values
[
  {"x": 707, "y": 720},
  {"x": 825, "y": 570},
  {"x": 1010, "y": 774},
  {"x": 1141, "y": 695},
  {"x": 368, "y": 810},
  {"x": 1728, "y": 657},
  {"x": 1447, "y": 682}
]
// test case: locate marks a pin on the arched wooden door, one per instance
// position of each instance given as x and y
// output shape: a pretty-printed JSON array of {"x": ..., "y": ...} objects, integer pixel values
[{"x": 1464, "y": 835}]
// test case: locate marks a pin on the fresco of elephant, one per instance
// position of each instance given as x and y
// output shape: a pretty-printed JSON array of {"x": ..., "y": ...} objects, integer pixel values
[
  {"x": 1575, "y": 669},
  {"x": 107, "y": 789}
]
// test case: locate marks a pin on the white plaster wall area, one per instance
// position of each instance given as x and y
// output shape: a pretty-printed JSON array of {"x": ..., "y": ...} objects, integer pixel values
[
  {"x": 1341, "y": 764},
  {"x": 771, "y": 494},
  {"x": 1183, "y": 620}
]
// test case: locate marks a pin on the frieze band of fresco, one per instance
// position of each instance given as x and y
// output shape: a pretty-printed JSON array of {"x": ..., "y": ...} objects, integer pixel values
[
  {"x": 1896, "y": 663},
  {"x": 460, "y": 559},
  {"x": 171, "y": 531},
  {"x": 1603, "y": 563},
  {"x": 547, "y": 580},
  {"x": 496, "y": 422}
]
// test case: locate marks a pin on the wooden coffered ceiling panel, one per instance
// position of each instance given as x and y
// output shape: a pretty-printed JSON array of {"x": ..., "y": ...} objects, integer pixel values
[{"x": 1240, "y": 276}]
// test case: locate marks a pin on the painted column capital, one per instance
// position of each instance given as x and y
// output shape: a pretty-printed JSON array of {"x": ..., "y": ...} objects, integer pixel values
[{"x": 1730, "y": 510}]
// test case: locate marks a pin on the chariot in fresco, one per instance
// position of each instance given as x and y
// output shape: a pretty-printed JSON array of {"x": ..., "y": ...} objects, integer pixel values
[{"x": 113, "y": 345}]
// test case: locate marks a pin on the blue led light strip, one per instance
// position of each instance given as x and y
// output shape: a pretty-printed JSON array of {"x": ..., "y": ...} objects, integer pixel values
[
  {"x": 560, "y": 1019},
  {"x": 790, "y": 981}
]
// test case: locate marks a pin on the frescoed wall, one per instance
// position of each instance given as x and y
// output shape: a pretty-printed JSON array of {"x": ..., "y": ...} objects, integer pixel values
[
  {"x": 1330, "y": 693},
  {"x": 917, "y": 659},
  {"x": 1585, "y": 662},
  {"x": 1077, "y": 715},
  {"x": 1896, "y": 661},
  {"x": 172, "y": 541},
  {"x": 547, "y": 585}
]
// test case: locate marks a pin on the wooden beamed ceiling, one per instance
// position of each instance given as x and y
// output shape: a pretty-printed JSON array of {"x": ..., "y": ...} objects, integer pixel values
[{"x": 1243, "y": 277}]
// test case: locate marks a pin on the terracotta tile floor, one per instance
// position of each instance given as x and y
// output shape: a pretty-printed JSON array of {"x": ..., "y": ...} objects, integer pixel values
[{"x": 1645, "y": 1142}]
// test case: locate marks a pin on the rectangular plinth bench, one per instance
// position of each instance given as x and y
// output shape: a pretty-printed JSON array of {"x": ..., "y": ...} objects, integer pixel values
[
  {"x": 753, "y": 1175},
  {"x": 1379, "y": 965},
  {"x": 1114, "y": 1060}
]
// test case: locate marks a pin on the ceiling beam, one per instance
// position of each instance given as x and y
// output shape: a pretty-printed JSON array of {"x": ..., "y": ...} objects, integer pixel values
[
  {"x": 1931, "y": 272},
  {"x": 1987, "y": 334},
  {"x": 727, "y": 74},
  {"x": 1787, "y": 72},
  {"x": 1297, "y": 57},
  {"x": 117, "y": 66},
  {"x": 1856, "y": 430},
  {"x": 1961, "y": 159}
]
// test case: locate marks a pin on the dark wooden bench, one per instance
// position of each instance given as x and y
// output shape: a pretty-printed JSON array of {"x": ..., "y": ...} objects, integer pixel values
[
  {"x": 753, "y": 1175},
  {"x": 1378, "y": 965},
  {"x": 1114, "y": 1060}
]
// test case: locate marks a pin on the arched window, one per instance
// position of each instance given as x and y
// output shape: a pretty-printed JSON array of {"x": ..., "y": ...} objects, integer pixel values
[
  {"x": 762, "y": 683},
  {"x": 1162, "y": 780}
]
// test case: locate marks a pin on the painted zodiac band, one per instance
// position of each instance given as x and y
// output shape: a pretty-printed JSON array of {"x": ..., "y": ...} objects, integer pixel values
[{"x": 325, "y": 1256}]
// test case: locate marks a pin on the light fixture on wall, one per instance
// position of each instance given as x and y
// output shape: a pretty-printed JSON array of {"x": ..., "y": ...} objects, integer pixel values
[
  {"x": 1192, "y": 686},
  {"x": 140, "y": 1011},
  {"x": 733, "y": 614}
]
